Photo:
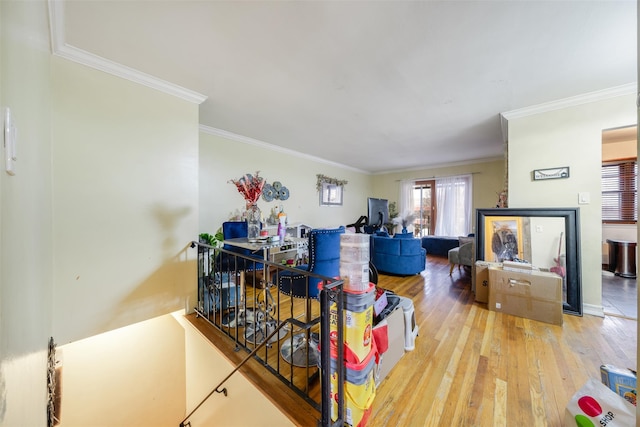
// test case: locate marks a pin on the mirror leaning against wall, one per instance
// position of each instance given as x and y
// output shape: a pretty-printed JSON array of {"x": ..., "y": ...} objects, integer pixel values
[{"x": 547, "y": 238}]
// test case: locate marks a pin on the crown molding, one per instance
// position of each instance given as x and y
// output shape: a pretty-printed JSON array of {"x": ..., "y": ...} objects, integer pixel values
[
  {"x": 599, "y": 95},
  {"x": 442, "y": 165},
  {"x": 257, "y": 143},
  {"x": 60, "y": 48}
]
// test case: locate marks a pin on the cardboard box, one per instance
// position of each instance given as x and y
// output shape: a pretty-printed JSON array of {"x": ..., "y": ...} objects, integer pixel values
[
  {"x": 622, "y": 381},
  {"x": 480, "y": 280},
  {"x": 536, "y": 295},
  {"x": 395, "y": 333},
  {"x": 524, "y": 267}
]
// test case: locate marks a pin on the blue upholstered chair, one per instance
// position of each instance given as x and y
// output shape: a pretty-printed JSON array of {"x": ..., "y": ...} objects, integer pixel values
[
  {"x": 233, "y": 230},
  {"x": 324, "y": 260},
  {"x": 233, "y": 268},
  {"x": 401, "y": 254}
]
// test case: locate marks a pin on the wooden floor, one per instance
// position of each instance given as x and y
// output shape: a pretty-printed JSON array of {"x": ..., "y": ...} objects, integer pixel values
[{"x": 474, "y": 367}]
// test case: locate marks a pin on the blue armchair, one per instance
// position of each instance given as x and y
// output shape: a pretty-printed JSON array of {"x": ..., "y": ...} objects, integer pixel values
[
  {"x": 228, "y": 262},
  {"x": 402, "y": 254}
]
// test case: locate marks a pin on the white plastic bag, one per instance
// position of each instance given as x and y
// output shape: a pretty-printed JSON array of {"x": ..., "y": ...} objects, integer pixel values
[{"x": 596, "y": 405}]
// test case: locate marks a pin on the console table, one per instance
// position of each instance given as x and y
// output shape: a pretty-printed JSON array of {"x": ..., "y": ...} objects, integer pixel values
[{"x": 297, "y": 229}]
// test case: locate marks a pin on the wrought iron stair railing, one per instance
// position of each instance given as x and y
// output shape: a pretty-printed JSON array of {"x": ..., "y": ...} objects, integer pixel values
[{"x": 235, "y": 298}]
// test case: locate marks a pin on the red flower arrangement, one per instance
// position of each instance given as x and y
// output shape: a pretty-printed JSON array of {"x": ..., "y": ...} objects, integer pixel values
[{"x": 250, "y": 187}]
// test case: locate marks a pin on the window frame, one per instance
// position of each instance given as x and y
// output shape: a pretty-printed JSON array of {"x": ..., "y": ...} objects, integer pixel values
[{"x": 427, "y": 185}]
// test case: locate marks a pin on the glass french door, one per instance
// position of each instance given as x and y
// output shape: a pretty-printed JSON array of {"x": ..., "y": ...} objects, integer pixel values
[{"x": 424, "y": 196}]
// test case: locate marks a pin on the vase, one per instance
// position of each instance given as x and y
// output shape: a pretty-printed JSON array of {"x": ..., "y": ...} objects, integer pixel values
[{"x": 253, "y": 221}]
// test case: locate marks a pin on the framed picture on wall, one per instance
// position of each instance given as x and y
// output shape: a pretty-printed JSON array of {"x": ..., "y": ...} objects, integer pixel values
[{"x": 330, "y": 194}]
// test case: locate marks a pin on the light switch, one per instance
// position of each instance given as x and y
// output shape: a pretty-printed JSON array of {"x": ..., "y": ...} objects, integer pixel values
[{"x": 584, "y": 198}]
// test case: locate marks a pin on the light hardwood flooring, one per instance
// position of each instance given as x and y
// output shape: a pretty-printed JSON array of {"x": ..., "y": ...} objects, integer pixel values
[{"x": 474, "y": 367}]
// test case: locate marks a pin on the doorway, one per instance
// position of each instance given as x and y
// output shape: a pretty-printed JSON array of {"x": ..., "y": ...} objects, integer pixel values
[{"x": 619, "y": 216}]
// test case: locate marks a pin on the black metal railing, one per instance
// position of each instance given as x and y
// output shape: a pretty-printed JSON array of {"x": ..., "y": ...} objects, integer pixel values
[{"x": 238, "y": 295}]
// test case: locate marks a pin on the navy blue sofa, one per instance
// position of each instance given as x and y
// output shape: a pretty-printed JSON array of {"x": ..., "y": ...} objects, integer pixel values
[
  {"x": 402, "y": 254},
  {"x": 439, "y": 245}
]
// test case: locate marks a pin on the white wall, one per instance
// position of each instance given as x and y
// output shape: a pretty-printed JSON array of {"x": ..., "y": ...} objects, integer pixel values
[
  {"x": 570, "y": 136},
  {"x": 125, "y": 201},
  {"x": 25, "y": 216},
  {"x": 223, "y": 159}
]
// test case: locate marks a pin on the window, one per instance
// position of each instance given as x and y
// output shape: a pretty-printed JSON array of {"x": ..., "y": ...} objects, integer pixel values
[
  {"x": 620, "y": 192},
  {"x": 441, "y": 206}
]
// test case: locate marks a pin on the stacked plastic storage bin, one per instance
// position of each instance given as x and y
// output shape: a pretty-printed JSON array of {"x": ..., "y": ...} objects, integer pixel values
[
  {"x": 359, "y": 352},
  {"x": 354, "y": 261}
]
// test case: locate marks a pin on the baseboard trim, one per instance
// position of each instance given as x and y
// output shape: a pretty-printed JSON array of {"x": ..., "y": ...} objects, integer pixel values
[{"x": 593, "y": 310}]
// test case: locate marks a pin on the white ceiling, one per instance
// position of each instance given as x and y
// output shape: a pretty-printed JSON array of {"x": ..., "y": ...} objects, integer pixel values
[{"x": 374, "y": 85}]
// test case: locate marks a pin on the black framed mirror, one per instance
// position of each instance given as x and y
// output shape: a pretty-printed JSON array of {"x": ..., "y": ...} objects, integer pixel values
[{"x": 548, "y": 238}]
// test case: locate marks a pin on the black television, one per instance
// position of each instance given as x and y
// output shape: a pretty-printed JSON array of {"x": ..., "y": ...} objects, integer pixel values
[{"x": 378, "y": 212}]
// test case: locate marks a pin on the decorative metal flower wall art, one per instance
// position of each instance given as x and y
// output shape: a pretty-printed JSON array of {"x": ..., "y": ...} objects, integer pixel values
[{"x": 275, "y": 191}]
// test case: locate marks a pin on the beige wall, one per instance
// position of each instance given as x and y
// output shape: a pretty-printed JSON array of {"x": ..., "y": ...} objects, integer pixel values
[
  {"x": 25, "y": 215},
  {"x": 129, "y": 376},
  {"x": 95, "y": 234},
  {"x": 125, "y": 205},
  {"x": 619, "y": 150},
  {"x": 488, "y": 181},
  {"x": 169, "y": 367},
  {"x": 244, "y": 405},
  {"x": 222, "y": 159},
  {"x": 570, "y": 136}
]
